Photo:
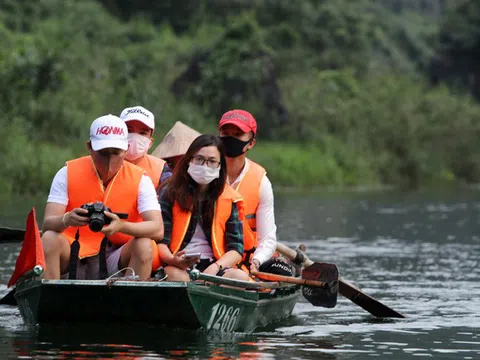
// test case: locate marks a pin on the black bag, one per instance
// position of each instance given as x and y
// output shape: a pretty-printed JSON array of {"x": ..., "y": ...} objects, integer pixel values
[{"x": 276, "y": 266}]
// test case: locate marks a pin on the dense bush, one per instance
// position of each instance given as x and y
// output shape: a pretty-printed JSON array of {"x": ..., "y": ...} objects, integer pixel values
[{"x": 339, "y": 87}]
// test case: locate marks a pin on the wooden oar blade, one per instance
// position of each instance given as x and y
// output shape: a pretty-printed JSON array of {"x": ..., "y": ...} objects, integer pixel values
[
  {"x": 8, "y": 235},
  {"x": 9, "y": 299},
  {"x": 366, "y": 302},
  {"x": 321, "y": 296},
  {"x": 346, "y": 289}
]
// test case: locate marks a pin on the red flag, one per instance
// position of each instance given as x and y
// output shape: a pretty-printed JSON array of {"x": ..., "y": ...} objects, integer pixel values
[{"x": 31, "y": 253}]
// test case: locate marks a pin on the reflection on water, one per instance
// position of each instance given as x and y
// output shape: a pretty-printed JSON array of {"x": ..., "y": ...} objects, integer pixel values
[
  {"x": 419, "y": 254},
  {"x": 123, "y": 342}
]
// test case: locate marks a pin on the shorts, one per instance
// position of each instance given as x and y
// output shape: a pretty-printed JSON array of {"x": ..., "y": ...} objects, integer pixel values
[{"x": 89, "y": 268}]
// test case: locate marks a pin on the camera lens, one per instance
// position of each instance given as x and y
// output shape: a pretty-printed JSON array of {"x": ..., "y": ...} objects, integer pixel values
[{"x": 96, "y": 222}]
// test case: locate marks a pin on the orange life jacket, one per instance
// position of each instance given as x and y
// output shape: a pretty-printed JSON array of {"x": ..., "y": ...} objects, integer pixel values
[
  {"x": 249, "y": 189},
  {"x": 84, "y": 186},
  {"x": 153, "y": 166},
  {"x": 223, "y": 210}
]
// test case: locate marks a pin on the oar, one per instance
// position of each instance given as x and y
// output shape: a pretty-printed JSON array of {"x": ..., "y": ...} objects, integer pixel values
[
  {"x": 289, "y": 279},
  {"x": 8, "y": 235},
  {"x": 319, "y": 290},
  {"x": 346, "y": 289},
  {"x": 9, "y": 299}
]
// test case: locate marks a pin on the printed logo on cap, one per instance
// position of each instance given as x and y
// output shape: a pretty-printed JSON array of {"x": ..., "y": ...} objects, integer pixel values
[
  {"x": 136, "y": 111},
  {"x": 235, "y": 116},
  {"x": 107, "y": 130}
]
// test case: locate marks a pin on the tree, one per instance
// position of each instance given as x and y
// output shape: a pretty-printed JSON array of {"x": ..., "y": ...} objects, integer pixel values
[{"x": 458, "y": 58}]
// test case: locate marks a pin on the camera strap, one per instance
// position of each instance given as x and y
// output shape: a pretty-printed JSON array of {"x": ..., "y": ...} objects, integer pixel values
[
  {"x": 74, "y": 250},
  {"x": 102, "y": 259}
]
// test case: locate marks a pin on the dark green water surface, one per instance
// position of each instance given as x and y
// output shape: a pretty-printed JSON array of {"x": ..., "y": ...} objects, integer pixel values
[{"x": 417, "y": 253}]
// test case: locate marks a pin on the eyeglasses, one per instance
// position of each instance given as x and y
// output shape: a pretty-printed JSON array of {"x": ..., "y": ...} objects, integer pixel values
[{"x": 200, "y": 160}]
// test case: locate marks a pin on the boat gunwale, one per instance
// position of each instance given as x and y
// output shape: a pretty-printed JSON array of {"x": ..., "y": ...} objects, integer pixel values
[
  {"x": 245, "y": 285},
  {"x": 208, "y": 280},
  {"x": 110, "y": 283},
  {"x": 220, "y": 292}
]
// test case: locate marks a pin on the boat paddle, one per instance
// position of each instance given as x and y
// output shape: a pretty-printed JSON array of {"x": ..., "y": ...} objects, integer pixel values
[
  {"x": 9, "y": 299},
  {"x": 346, "y": 289},
  {"x": 31, "y": 260},
  {"x": 9, "y": 235},
  {"x": 320, "y": 292}
]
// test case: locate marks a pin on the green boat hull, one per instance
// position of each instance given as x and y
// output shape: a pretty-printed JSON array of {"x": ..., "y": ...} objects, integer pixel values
[{"x": 190, "y": 305}]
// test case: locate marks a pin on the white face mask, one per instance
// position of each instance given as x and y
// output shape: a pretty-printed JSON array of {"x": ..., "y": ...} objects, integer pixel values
[
  {"x": 202, "y": 174},
  {"x": 138, "y": 146}
]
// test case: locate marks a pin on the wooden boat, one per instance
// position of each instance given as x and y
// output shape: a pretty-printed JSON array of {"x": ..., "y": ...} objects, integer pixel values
[
  {"x": 217, "y": 304},
  {"x": 242, "y": 306}
]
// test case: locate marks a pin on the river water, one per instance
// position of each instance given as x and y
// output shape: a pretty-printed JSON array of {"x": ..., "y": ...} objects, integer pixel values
[{"x": 417, "y": 253}]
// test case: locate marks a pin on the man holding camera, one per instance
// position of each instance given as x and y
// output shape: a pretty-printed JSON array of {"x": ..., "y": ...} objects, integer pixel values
[{"x": 102, "y": 177}]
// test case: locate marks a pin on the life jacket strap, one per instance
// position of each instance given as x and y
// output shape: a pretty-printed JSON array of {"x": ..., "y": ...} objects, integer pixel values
[
  {"x": 248, "y": 256},
  {"x": 74, "y": 250}
]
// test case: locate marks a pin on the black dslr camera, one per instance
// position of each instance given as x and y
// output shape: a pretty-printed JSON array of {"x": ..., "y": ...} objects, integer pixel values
[{"x": 97, "y": 219}]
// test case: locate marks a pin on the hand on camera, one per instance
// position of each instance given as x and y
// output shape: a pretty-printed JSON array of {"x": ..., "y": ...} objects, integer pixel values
[
  {"x": 114, "y": 227},
  {"x": 76, "y": 217}
]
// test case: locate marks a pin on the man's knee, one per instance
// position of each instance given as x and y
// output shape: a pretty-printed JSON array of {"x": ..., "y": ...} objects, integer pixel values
[
  {"x": 236, "y": 274},
  {"x": 176, "y": 274},
  {"x": 54, "y": 242},
  {"x": 142, "y": 249}
]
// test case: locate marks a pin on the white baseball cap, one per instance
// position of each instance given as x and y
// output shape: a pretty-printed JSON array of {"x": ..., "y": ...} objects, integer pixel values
[
  {"x": 108, "y": 131},
  {"x": 139, "y": 113}
]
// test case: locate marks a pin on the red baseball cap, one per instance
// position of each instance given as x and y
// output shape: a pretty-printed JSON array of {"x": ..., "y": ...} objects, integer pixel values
[{"x": 240, "y": 118}]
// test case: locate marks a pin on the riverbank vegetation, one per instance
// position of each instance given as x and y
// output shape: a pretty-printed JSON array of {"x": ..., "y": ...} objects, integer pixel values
[{"x": 345, "y": 92}]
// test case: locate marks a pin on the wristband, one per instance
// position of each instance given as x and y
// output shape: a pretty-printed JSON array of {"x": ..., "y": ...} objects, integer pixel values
[{"x": 63, "y": 219}]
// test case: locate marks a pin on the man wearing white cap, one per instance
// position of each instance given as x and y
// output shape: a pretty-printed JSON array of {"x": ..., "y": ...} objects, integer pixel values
[
  {"x": 141, "y": 126},
  {"x": 74, "y": 247}
]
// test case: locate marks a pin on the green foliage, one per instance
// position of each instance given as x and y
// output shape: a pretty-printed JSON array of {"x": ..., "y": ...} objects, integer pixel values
[
  {"x": 458, "y": 60},
  {"x": 313, "y": 165},
  {"x": 402, "y": 127},
  {"x": 338, "y": 87},
  {"x": 27, "y": 167},
  {"x": 236, "y": 61}
]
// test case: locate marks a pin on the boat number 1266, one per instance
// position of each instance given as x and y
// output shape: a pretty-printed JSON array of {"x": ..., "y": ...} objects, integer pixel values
[{"x": 223, "y": 318}]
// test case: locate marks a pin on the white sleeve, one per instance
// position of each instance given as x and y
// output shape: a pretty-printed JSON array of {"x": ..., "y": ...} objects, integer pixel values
[
  {"x": 58, "y": 190},
  {"x": 266, "y": 228},
  {"x": 147, "y": 196}
]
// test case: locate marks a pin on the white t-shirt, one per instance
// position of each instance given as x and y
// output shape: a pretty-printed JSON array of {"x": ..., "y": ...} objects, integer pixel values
[
  {"x": 199, "y": 243},
  {"x": 147, "y": 196},
  {"x": 265, "y": 217}
]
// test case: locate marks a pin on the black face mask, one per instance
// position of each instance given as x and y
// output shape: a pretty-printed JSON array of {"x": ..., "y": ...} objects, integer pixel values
[{"x": 233, "y": 146}]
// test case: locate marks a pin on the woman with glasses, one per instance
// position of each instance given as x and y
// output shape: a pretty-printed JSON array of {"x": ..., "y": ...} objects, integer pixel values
[{"x": 203, "y": 216}]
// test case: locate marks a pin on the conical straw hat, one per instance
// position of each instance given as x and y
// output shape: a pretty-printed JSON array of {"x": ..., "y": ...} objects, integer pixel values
[{"x": 176, "y": 142}]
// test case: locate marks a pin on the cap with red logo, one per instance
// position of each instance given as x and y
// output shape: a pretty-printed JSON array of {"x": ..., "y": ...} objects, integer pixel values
[
  {"x": 139, "y": 113},
  {"x": 108, "y": 131},
  {"x": 240, "y": 118}
]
